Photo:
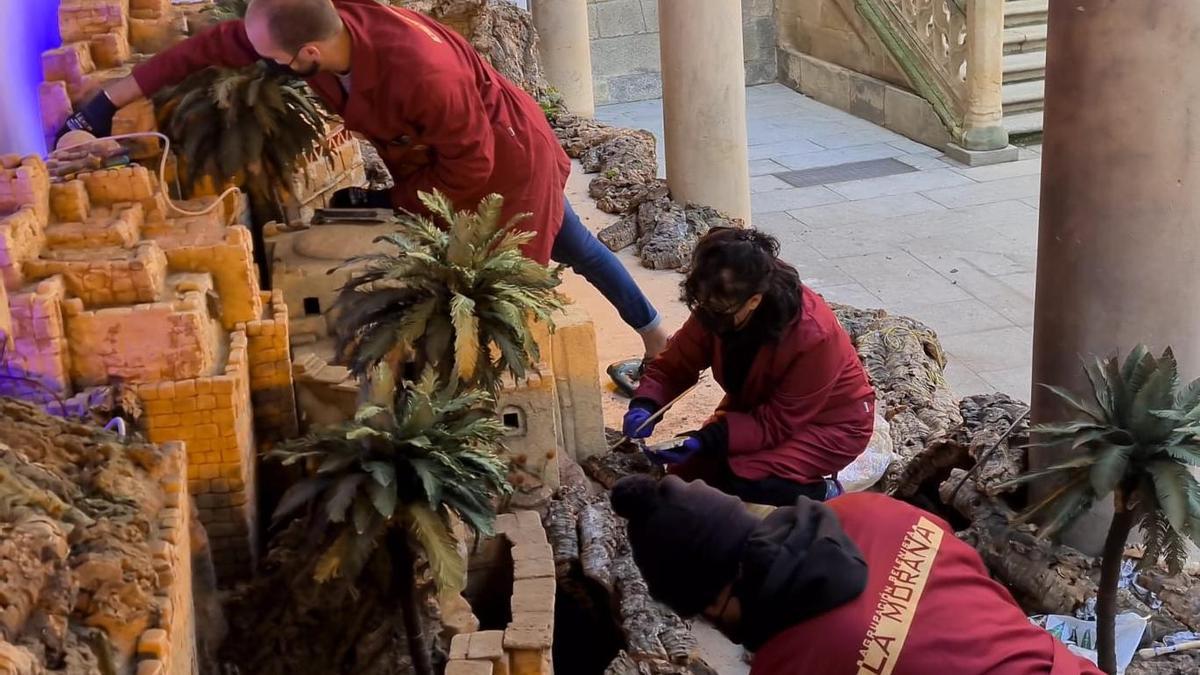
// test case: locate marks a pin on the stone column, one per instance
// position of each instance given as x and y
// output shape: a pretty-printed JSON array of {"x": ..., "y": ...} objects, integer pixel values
[
  {"x": 983, "y": 125},
  {"x": 566, "y": 49},
  {"x": 704, "y": 103},
  {"x": 1118, "y": 242}
]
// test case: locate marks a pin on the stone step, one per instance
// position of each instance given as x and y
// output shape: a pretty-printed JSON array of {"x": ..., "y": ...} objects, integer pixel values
[
  {"x": 1024, "y": 67},
  {"x": 1020, "y": 124},
  {"x": 1023, "y": 96},
  {"x": 1022, "y": 39},
  {"x": 1025, "y": 12}
]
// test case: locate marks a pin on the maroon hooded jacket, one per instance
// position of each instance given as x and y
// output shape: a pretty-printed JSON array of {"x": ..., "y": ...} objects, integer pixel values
[
  {"x": 928, "y": 607},
  {"x": 806, "y": 409},
  {"x": 439, "y": 114}
]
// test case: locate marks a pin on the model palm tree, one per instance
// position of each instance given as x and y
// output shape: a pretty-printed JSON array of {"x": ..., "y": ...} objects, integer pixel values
[
  {"x": 1136, "y": 437},
  {"x": 458, "y": 299},
  {"x": 248, "y": 124},
  {"x": 389, "y": 481}
]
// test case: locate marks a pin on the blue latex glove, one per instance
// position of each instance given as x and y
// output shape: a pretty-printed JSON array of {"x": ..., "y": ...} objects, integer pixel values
[
  {"x": 678, "y": 454},
  {"x": 635, "y": 418}
]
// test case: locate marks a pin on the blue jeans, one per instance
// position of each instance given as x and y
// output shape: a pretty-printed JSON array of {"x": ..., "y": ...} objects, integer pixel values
[{"x": 579, "y": 249}]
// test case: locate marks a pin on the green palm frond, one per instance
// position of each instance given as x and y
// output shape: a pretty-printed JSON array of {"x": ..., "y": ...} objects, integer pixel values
[
  {"x": 227, "y": 10},
  {"x": 1136, "y": 431},
  {"x": 223, "y": 122},
  {"x": 459, "y": 298},
  {"x": 412, "y": 466}
]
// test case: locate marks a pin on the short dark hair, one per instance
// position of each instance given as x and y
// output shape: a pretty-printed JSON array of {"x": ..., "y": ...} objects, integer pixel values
[
  {"x": 730, "y": 265},
  {"x": 295, "y": 23}
]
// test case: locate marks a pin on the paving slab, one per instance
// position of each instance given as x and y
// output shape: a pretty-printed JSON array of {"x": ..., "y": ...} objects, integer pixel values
[
  {"x": 879, "y": 208},
  {"x": 951, "y": 245},
  {"x": 1019, "y": 187},
  {"x": 792, "y": 198},
  {"x": 901, "y": 184},
  {"x": 822, "y": 157}
]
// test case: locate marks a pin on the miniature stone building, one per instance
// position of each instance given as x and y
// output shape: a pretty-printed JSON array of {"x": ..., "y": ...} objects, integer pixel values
[
  {"x": 557, "y": 407},
  {"x": 520, "y": 554},
  {"x": 106, "y": 284},
  {"x": 306, "y": 265},
  {"x": 102, "y": 39}
]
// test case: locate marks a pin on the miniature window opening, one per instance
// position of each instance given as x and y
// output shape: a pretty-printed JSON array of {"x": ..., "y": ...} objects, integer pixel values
[
  {"x": 514, "y": 421},
  {"x": 312, "y": 307}
]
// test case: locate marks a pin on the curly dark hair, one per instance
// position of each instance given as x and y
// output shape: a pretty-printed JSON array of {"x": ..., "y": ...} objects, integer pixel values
[{"x": 730, "y": 265}]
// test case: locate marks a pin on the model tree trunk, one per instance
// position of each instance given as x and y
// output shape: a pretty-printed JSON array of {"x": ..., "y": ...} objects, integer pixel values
[
  {"x": 1110, "y": 574},
  {"x": 404, "y": 588},
  {"x": 1045, "y": 578}
]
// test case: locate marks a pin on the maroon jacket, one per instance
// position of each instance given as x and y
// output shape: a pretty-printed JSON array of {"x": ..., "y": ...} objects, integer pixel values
[
  {"x": 806, "y": 409},
  {"x": 929, "y": 608},
  {"x": 439, "y": 114}
]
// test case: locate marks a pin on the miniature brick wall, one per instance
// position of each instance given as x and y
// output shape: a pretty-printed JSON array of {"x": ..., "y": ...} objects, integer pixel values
[
  {"x": 144, "y": 343},
  {"x": 132, "y": 276},
  {"x": 235, "y": 277},
  {"x": 69, "y": 63},
  {"x": 271, "y": 386},
  {"x": 102, "y": 23},
  {"x": 533, "y": 436},
  {"x": 184, "y": 230},
  {"x": 524, "y": 647},
  {"x": 69, "y": 201},
  {"x": 55, "y": 104},
  {"x": 126, "y": 184},
  {"x": 169, "y": 645},
  {"x": 39, "y": 348},
  {"x": 212, "y": 416},
  {"x": 24, "y": 181},
  {"x": 576, "y": 367},
  {"x": 6, "y": 327},
  {"x": 151, "y": 25},
  {"x": 21, "y": 238},
  {"x": 81, "y": 20},
  {"x": 118, "y": 227},
  {"x": 338, "y": 164}
]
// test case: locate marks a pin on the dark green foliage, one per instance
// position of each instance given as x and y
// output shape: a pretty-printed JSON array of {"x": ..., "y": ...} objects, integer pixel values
[
  {"x": 458, "y": 300},
  {"x": 225, "y": 122},
  {"x": 226, "y": 10},
  {"x": 1135, "y": 432},
  {"x": 410, "y": 467}
]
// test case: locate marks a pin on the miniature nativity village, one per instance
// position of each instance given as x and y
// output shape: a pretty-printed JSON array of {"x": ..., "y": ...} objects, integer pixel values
[{"x": 254, "y": 421}]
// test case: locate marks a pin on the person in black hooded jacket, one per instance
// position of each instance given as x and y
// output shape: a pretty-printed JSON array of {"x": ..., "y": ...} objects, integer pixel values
[{"x": 860, "y": 585}]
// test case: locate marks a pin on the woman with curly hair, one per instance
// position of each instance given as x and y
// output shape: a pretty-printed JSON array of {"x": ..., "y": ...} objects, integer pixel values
[{"x": 798, "y": 406}]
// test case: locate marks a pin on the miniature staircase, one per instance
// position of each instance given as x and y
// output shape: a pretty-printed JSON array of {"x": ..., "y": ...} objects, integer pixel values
[{"x": 1024, "y": 65}]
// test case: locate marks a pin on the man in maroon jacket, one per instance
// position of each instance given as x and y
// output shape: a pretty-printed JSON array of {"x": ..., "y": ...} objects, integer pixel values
[
  {"x": 860, "y": 585},
  {"x": 440, "y": 115},
  {"x": 798, "y": 406}
]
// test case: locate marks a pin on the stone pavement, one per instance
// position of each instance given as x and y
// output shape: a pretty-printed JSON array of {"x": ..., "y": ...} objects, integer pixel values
[{"x": 951, "y": 245}]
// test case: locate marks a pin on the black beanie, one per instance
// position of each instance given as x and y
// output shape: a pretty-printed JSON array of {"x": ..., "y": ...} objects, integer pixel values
[{"x": 687, "y": 538}]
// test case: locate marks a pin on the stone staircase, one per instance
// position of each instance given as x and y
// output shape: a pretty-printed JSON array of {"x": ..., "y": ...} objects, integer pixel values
[{"x": 1024, "y": 65}]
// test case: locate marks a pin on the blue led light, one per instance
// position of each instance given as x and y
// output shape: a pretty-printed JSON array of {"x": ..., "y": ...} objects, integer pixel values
[{"x": 30, "y": 28}]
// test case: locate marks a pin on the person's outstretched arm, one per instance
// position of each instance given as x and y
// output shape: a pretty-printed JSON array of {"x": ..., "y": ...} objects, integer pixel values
[
  {"x": 688, "y": 353},
  {"x": 224, "y": 45}
]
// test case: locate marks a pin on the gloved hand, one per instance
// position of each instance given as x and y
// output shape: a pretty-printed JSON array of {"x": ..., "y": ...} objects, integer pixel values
[
  {"x": 635, "y": 418},
  {"x": 676, "y": 454},
  {"x": 95, "y": 117}
]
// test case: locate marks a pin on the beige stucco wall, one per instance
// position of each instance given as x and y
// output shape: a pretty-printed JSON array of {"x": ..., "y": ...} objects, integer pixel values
[{"x": 833, "y": 31}]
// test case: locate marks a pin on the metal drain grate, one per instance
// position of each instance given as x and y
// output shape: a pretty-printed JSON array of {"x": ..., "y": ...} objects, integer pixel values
[{"x": 840, "y": 173}]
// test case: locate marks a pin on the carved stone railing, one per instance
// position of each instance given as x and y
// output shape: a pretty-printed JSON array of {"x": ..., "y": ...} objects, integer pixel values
[{"x": 951, "y": 51}]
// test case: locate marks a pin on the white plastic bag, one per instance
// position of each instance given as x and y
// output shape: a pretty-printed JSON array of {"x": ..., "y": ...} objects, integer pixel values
[
  {"x": 1080, "y": 635},
  {"x": 869, "y": 467}
]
